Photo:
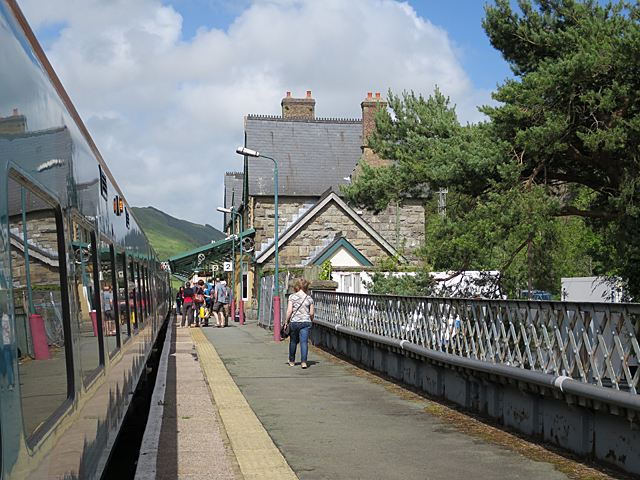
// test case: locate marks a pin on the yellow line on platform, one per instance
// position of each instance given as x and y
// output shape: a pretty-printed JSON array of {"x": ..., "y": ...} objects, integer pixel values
[{"x": 257, "y": 455}]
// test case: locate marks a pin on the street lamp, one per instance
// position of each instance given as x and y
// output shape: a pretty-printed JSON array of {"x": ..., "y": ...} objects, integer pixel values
[
  {"x": 233, "y": 300},
  {"x": 276, "y": 299}
]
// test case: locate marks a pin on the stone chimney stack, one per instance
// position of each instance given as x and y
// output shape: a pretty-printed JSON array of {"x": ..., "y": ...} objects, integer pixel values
[
  {"x": 369, "y": 107},
  {"x": 13, "y": 125},
  {"x": 298, "y": 108}
]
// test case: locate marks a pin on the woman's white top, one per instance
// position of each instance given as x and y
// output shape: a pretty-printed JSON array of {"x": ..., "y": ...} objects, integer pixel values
[{"x": 301, "y": 303}]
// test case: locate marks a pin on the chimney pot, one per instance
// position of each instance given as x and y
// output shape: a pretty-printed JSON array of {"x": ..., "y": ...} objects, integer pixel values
[
  {"x": 288, "y": 94},
  {"x": 308, "y": 93},
  {"x": 377, "y": 95},
  {"x": 369, "y": 95},
  {"x": 15, "y": 111}
]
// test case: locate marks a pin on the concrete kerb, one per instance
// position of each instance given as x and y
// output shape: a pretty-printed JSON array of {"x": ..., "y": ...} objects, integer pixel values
[
  {"x": 257, "y": 455},
  {"x": 147, "y": 459}
]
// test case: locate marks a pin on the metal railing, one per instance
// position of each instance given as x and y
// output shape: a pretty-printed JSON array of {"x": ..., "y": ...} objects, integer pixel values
[
  {"x": 267, "y": 291},
  {"x": 592, "y": 342}
]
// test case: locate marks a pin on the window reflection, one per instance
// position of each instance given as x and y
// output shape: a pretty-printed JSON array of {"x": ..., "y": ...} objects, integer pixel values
[
  {"x": 84, "y": 292},
  {"x": 123, "y": 295},
  {"x": 41, "y": 335},
  {"x": 108, "y": 298},
  {"x": 133, "y": 304}
]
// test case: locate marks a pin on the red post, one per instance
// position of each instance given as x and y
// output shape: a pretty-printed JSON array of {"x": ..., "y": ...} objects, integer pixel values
[
  {"x": 94, "y": 322},
  {"x": 276, "y": 319},
  {"x": 241, "y": 312},
  {"x": 39, "y": 338},
  {"x": 233, "y": 310}
]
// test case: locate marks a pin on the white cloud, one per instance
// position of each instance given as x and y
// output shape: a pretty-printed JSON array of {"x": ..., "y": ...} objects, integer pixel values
[{"x": 167, "y": 114}]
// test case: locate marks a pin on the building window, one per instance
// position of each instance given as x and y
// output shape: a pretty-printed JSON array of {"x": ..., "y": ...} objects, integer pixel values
[{"x": 245, "y": 280}]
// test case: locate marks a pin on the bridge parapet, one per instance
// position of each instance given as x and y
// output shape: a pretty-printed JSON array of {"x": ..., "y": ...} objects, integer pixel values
[
  {"x": 565, "y": 371},
  {"x": 591, "y": 342}
]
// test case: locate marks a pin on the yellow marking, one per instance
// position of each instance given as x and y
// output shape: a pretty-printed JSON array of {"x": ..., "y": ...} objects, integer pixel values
[{"x": 257, "y": 455}]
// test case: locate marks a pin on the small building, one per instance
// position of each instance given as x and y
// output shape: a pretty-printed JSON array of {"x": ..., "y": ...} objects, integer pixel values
[{"x": 315, "y": 157}]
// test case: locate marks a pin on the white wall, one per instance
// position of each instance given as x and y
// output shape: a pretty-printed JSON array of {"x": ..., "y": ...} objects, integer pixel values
[{"x": 590, "y": 289}]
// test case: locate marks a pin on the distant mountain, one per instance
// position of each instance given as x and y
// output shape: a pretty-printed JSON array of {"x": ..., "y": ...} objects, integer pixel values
[{"x": 170, "y": 236}]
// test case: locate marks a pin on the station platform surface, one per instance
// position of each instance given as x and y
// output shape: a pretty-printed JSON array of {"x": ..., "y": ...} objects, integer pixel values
[{"x": 232, "y": 407}]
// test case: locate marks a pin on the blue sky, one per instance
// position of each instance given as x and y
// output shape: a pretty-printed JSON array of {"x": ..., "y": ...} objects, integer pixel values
[
  {"x": 165, "y": 84},
  {"x": 462, "y": 19}
]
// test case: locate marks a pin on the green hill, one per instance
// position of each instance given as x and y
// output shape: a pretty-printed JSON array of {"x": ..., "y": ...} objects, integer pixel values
[{"x": 170, "y": 236}]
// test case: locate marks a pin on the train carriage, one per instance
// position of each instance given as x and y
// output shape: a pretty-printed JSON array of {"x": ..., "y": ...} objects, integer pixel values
[{"x": 82, "y": 294}]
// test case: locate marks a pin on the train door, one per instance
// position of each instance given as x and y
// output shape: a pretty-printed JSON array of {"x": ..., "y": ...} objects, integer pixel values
[
  {"x": 109, "y": 298},
  {"x": 123, "y": 296},
  {"x": 41, "y": 344},
  {"x": 84, "y": 292}
]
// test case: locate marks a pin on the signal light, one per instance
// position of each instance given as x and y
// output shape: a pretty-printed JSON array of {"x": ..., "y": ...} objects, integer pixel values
[{"x": 118, "y": 205}]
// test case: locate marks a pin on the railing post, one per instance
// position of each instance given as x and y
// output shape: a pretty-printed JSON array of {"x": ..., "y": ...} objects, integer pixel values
[{"x": 276, "y": 319}]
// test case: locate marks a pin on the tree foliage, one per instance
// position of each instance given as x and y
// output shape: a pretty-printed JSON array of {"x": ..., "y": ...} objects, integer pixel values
[{"x": 559, "y": 155}]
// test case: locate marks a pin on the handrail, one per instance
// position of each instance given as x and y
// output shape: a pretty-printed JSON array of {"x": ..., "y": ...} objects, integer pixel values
[{"x": 566, "y": 345}]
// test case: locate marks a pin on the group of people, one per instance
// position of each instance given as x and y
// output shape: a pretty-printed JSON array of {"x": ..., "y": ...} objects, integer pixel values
[
  {"x": 299, "y": 311},
  {"x": 201, "y": 300}
]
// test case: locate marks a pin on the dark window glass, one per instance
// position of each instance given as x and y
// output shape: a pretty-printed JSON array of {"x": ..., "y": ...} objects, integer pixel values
[
  {"x": 123, "y": 295},
  {"x": 85, "y": 297},
  {"x": 108, "y": 297},
  {"x": 133, "y": 304},
  {"x": 139, "y": 287},
  {"x": 40, "y": 305}
]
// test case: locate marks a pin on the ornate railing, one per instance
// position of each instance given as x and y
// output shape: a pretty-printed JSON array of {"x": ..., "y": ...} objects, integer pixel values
[{"x": 592, "y": 342}]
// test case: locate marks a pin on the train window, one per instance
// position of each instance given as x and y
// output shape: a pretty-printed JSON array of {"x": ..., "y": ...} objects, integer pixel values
[
  {"x": 109, "y": 298},
  {"x": 146, "y": 290},
  {"x": 132, "y": 287},
  {"x": 86, "y": 300},
  {"x": 40, "y": 304},
  {"x": 123, "y": 295},
  {"x": 139, "y": 298}
]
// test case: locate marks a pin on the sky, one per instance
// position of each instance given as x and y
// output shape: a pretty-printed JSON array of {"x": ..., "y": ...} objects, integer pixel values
[{"x": 164, "y": 86}]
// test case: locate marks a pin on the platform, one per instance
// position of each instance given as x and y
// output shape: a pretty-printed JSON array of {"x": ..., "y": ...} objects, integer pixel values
[{"x": 234, "y": 408}]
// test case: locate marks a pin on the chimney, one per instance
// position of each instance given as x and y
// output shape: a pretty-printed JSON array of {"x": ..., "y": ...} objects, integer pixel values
[
  {"x": 13, "y": 125},
  {"x": 369, "y": 107},
  {"x": 298, "y": 108}
]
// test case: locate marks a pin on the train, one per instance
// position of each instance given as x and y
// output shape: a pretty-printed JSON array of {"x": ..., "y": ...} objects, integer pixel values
[{"x": 83, "y": 295}]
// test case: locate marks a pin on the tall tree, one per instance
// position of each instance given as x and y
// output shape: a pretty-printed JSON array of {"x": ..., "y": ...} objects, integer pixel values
[{"x": 564, "y": 142}]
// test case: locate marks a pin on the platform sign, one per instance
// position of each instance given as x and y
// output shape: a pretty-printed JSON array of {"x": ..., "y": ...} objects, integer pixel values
[
  {"x": 214, "y": 267},
  {"x": 228, "y": 266}
]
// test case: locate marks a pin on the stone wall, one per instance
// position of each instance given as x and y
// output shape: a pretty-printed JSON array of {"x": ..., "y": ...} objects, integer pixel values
[
  {"x": 410, "y": 220},
  {"x": 44, "y": 271},
  {"x": 333, "y": 220}
]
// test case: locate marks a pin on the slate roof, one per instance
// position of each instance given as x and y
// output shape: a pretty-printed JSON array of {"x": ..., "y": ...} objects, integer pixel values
[{"x": 312, "y": 154}]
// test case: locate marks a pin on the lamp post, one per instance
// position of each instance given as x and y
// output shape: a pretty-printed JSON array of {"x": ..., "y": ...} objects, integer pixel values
[
  {"x": 276, "y": 299},
  {"x": 233, "y": 309}
]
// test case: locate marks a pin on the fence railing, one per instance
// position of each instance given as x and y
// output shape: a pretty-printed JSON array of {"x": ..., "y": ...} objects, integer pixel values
[
  {"x": 267, "y": 292},
  {"x": 592, "y": 342}
]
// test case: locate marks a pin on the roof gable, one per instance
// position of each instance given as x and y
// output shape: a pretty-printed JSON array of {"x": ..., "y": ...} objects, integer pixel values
[
  {"x": 302, "y": 222},
  {"x": 338, "y": 244}
]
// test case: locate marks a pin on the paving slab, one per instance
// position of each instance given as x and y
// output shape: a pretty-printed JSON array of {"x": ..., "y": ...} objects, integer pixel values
[{"x": 184, "y": 439}]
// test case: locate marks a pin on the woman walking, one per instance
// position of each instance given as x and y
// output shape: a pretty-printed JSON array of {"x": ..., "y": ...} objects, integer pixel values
[{"x": 299, "y": 318}]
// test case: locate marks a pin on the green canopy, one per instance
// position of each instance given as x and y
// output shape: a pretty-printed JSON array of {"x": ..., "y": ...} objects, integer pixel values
[{"x": 199, "y": 258}]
